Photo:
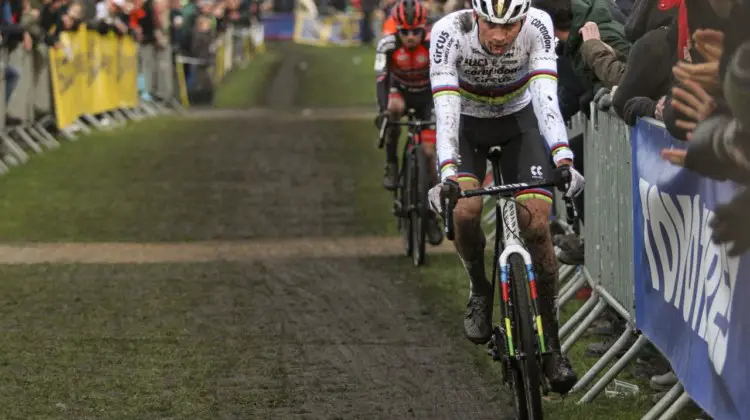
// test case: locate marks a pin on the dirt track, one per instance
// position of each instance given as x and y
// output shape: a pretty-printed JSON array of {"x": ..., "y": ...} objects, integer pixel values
[{"x": 192, "y": 252}]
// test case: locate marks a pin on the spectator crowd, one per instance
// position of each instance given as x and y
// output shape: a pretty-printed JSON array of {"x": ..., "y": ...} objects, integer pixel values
[
  {"x": 683, "y": 62},
  {"x": 187, "y": 26}
]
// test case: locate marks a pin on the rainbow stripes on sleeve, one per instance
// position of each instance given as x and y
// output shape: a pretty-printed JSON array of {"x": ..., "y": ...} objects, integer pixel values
[
  {"x": 560, "y": 151},
  {"x": 443, "y": 90},
  {"x": 448, "y": 168}
]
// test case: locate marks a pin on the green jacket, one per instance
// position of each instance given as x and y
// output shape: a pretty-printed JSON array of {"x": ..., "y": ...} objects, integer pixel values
[{"x": 612, "y": 33}]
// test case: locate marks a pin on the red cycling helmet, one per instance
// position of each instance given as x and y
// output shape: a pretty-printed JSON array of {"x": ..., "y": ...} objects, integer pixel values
[{"x": 409, "y": 14}]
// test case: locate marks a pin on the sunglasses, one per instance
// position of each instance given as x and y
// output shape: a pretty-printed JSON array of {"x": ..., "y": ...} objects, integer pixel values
[{"x": 414, "y": 31}]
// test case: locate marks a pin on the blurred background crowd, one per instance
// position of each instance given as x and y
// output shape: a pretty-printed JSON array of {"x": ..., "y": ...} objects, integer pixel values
[{"x": 187, "y": 26}]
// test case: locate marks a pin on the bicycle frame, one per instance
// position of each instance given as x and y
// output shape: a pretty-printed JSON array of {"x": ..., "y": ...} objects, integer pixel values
[
  {"x": 511, "y": 243},
  {"x": 506, "y": 227},
  {"x": 414, "y": 128}
]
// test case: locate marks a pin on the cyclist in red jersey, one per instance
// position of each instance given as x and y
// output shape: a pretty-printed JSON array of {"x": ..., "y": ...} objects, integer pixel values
[{"x": 402, "y": 66}]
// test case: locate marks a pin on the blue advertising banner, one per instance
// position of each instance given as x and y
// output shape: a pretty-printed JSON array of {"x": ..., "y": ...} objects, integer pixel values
[
  {"x": 279, "y": 26},
  {"x": 341, "y": 29},
  {"x": 685, "y": 285}
]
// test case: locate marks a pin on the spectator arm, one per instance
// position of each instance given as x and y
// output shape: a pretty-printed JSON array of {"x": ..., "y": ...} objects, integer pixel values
[
  {"x": 12, "y": 32},
  {"x": 32, "y": 26},
  {"x": 604, "y": 62},
  {"x": 637, "y": 107}
]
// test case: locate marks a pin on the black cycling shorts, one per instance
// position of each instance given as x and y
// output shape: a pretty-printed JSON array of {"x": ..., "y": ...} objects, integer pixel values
[
  {"x": 525, "y": 155},
  {"x": 422, "y": 102}
]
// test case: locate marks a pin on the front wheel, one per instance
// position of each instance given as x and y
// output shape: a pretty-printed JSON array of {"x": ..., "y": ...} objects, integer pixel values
[
  {"x": 404, "y": 198},
  {"x": 526, "y": 373},
  {"x": 419, "y": 204}
]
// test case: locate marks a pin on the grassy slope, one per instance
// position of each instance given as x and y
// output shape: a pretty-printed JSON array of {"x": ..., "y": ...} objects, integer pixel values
[
  {"x": 244, "y": 88},
  {"x": 342, "y": 76},
  {"x": 83, "y": 190},
  {"x": 151, "y": 181}
]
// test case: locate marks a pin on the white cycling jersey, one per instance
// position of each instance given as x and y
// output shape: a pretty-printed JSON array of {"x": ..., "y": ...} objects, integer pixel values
[{"x": 468, "y": 80}]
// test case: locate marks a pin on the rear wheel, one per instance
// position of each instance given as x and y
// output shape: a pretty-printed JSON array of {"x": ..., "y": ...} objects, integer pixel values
[
  {"x": 526, "y": 370},
  {"x": 419, "y": 204}
]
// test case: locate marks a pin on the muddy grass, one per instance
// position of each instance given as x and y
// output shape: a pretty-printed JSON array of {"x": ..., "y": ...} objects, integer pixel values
[
  {"x": 300, "y": 338},
  {"x": 331, "y": 337},
  {"x": 278, "y": 298},
  {"x": 197, "y": 179}
]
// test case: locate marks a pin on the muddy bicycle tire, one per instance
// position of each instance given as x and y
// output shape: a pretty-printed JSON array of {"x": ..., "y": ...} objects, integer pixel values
[
  {"x": 419, "y": 205},
  {"x": 405, "y": 225},
  {"x": 526, "y": 372}
]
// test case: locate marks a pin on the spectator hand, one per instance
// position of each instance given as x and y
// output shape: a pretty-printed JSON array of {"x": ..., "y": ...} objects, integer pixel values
[
  {"x": 603, "y": 99},
  {"x": 121, "y": 27},
  {"x": 161, "y": 41},
  {"x": 601, "y": 93},
  {"x": 716, "y": 151},
  {"x": 707, "y": 74},
  {"x": 590, "y": 31},
  {"x": 659, "y": 111},
  {"x": 709, "y": 43},
  {"x": 28, "y": 42},
  {"x": 694, "y": 102},
  {"x": 674, "y": 156}
]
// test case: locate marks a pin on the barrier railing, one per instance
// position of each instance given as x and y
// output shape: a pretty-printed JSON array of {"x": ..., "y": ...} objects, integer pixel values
[
  {"x": 94, "y": 80},
  {"x": 233, "y": 47},
  {"x": 661, "y": 265}
]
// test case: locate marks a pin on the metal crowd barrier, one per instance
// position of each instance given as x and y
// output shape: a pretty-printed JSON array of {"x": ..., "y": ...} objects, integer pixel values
[
  {"x": 233, "y": 48},
  {"x": 96, "y": 81},
  {"x": 609, "y": 266}
]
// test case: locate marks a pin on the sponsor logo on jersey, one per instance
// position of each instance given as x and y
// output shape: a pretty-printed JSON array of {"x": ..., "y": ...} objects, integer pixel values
[
  {"x": 546, "y": 36},
  {"x": 440, "y": 43}
]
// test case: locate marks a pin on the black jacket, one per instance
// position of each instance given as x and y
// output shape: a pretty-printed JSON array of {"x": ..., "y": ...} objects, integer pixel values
[{"x": 653, "y": 55}]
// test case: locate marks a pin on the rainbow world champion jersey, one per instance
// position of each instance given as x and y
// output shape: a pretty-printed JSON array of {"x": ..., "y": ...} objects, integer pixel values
[{"x": 467, "y": 80}]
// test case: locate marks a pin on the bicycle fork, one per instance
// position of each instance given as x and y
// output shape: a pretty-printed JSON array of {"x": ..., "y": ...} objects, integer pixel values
[{"x": 512, "y": 245}]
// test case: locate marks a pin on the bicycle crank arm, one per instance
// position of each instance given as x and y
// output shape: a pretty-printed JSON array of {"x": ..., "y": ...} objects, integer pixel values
[{"x": 398, "y": 209}]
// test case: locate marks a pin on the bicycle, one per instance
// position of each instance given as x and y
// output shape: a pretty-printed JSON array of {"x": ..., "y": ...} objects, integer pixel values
[
  {"x": 410, "y": 204},
  {"x": 518, "y": 343}
]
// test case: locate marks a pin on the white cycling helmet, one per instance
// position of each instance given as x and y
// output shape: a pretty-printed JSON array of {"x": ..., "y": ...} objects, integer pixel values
[{"x": 501, "y": 11}]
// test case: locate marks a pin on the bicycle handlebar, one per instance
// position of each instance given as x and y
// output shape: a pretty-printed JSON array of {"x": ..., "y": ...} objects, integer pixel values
[
  {"x": 410, "y": 123},
  {"x": 417, "y": 124},
  {"x": 451, "y": 193}
]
